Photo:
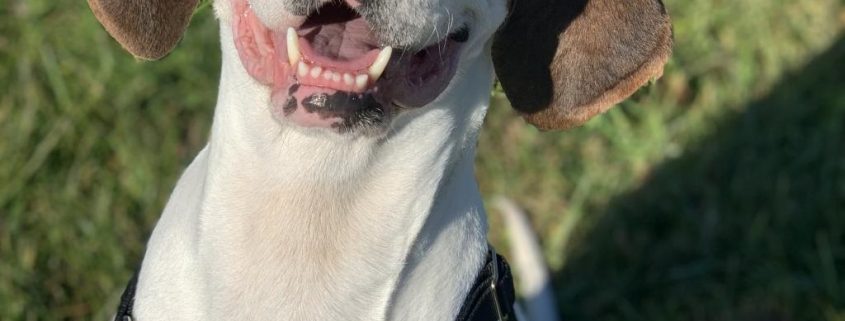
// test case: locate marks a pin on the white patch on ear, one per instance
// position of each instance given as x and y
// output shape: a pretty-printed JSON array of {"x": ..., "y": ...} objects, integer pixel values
[{"x": 223, "y": 10}]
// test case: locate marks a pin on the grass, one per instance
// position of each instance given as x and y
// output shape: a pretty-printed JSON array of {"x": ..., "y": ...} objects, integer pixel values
[{"x": 715, "y": 194}]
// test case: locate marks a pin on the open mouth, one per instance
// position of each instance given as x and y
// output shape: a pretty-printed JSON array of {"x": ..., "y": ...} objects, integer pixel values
[{"x": 328, "y": 69}]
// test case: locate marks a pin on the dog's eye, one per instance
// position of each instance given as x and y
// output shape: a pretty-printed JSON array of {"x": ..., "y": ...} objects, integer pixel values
[{"x": 461, "y": 35}]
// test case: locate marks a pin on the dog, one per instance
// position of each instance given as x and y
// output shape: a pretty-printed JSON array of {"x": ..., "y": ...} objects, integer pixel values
[{"x": 338, "y": 183}]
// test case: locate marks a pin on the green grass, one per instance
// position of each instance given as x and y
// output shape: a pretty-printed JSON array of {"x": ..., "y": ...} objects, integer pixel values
[{"x": 716, "y": 194}]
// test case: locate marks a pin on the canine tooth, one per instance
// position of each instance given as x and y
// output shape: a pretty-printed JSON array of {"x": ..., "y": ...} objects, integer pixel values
[
  {"x": 293, "y": 47},
  {"x": 348, "y": 79},
  {"x": 316, "y": 71},
  {"x": 302, "y": 69},
  {"x": 336, "y": 76},
  {"x": 361, "y": 81},
  {"x": 377, "y": 68}
]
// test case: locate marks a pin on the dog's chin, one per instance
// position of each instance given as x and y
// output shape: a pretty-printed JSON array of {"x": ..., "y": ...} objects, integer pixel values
[{"x": 329, "y": 72}]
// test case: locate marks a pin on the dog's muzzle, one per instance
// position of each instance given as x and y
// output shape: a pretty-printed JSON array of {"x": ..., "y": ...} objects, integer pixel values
[{"x": 328, "y": 69}]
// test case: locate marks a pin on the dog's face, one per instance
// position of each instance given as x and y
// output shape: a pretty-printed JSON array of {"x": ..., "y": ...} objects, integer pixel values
[{"x": 351, "y": 66}]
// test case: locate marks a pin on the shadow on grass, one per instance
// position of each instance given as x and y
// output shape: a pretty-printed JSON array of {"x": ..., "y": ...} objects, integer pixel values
[{"x": 748, "y": 224}]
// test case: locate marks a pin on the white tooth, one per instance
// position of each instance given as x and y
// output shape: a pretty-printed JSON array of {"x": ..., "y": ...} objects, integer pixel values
[
  {"x": 348, "y": 79},
  {"x": 293, "y": 47},
  {"x": 361, "y": 81},
  {"x": 315, "y": 72},
  {"x": 327, "y": 75},
  {"x": 302, "y": 69},
  {"x": 336, "y": 76},
  {"x": 377, "y": 68}
]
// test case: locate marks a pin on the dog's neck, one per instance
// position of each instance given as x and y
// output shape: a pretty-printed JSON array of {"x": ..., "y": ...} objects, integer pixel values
[{"x": 318, "y": 226}]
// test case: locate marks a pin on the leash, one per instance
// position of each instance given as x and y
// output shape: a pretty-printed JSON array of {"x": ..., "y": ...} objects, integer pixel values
[{"x": 491, "y": 297}]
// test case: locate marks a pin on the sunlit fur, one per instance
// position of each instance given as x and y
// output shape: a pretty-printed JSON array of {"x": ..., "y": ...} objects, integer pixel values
[{"x": 272, "y": 222}]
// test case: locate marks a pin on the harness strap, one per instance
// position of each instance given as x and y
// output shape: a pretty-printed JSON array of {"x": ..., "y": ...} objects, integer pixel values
[
  {"x": 491, "y": 297},
  {"x": 127, "y": 300}
]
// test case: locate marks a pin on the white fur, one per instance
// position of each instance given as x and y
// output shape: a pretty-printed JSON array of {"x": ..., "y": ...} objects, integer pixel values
[{"x": 272, "y": 222}]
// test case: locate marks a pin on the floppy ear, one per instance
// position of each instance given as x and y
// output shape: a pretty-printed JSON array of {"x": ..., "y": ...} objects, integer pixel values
[
  {"x": 561, "y": 62},
  {"x": 148, "y": 29}
]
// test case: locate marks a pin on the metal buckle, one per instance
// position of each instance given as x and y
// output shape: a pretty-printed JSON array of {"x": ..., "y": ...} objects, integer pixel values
[{"x": 500, "y": 316}]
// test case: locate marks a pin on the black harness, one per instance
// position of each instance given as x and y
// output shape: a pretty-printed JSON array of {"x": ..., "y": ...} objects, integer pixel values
[{"x": 491, "y": 297}]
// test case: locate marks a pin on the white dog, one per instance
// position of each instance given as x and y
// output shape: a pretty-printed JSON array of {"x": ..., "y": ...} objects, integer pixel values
[{"x": 338, "y": 181}]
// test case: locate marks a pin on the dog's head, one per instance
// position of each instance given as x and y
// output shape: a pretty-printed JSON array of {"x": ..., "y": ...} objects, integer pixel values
[{"x": 355, "y": 64}]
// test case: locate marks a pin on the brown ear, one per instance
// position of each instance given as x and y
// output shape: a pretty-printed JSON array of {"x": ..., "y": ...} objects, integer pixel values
[
  {"x": 561, "y": 62},
  {"x": 148, "y": 29}
]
